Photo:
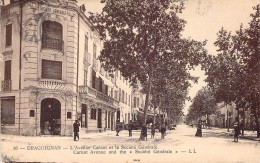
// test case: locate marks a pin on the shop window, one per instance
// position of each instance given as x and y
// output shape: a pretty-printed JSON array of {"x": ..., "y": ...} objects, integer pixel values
[
  {"x": 51, "y": 69},
  {"x": 8, "y": 110},
  {"x": 52, "y": 35}
]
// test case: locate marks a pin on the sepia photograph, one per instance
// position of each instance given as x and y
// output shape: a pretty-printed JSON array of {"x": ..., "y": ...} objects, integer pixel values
[{"x": 149, "y": 81}]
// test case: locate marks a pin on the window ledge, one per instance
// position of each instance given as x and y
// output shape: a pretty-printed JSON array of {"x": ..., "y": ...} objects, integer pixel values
[
  {"x": 48, "y": 50},
  {"x": 8, "y": 52}
]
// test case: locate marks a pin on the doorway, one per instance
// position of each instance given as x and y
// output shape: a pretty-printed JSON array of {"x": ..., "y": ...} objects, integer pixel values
[
  {"x": 50, "y": 116},
  {"x": 99, "y": 121}
]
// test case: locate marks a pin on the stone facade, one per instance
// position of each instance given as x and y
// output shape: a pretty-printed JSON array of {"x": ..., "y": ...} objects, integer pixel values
[{"x": 53, "y": 65}]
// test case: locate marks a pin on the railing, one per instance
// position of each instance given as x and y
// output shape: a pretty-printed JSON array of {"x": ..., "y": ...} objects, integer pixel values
[
  {"x": 6, "y": 85},
  {"x": 51, "y": 84},
  {"x": 50, "y": 43},
  {"x": 97, "y": 94}
]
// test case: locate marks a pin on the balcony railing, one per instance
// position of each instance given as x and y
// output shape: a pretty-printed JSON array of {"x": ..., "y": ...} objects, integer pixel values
[
  {"x": 51, "y": 84},
  {"x": 6, "y": 85},
  {"x": 50, "y": 43},
  {"x": 95, "y": 93}
]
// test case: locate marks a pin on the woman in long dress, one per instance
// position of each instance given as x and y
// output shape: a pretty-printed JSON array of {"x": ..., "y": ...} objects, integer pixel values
[
  {"x": 236, "y": 130},
  {"x": 199, "y": 131}
]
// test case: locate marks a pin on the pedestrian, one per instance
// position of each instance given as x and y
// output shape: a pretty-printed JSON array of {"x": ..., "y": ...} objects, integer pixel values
[
  {"x": 163, "y": 131},
  {"x": 144, "y": 132},
  {"x": 130, "y": 128},
  {"x": 117, "y": 129},
  {"x": 152, "y": 131},
  {"x": 76, "y": 129},
  {"x": 199, "y": 130},
  {"x": 236, "y": 130}
]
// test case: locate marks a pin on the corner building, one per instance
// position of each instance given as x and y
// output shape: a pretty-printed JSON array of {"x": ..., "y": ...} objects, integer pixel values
[{"x": 50, "y": 74}]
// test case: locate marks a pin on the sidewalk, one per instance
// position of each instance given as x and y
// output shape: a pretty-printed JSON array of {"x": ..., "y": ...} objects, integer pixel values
[{"x": 247, "y": 134}]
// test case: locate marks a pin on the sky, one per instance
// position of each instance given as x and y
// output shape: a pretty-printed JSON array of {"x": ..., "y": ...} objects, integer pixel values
[{"x": 204, "y": 19}]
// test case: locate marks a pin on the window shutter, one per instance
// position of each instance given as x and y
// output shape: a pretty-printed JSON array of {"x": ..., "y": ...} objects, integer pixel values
[
  {"x": 8, "y": 35},
  {"x": 106, "y": 89},
  {"x": 8, "y": 111},
  {"x": 7, "y": 70},
  {"x": 93, "y": 79},
  {"x": 97, "y": 83},
  {"x": 103, "y": 87}
]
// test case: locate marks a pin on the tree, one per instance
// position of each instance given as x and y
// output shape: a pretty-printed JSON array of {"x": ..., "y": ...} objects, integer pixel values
[
  {"x": 170, "y": 89},
  {"x": 204, "y": 103},
  {"x": 141, "y": 35},
  {"x": 234, "y": 74}
]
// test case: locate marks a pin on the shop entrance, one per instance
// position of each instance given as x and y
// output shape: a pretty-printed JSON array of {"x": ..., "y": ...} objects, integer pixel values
[{"x": 50, "y": 117}]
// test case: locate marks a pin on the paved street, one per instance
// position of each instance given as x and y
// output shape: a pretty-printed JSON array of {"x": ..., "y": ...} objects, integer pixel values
[{"x": 179, "y": 145}]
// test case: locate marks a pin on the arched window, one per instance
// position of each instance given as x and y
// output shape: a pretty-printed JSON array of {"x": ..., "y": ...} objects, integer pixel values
[{"x": 52, "y": 35}]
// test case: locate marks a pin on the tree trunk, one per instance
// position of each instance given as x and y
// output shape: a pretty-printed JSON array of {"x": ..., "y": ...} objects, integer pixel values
[
  {"x": 154, "y": 116},
  {"x": 147, "y": 101},
  {"x": 238, "y": 117},
  {"x": 243, "y": 123},
  {"x": 257, "y": 124}
]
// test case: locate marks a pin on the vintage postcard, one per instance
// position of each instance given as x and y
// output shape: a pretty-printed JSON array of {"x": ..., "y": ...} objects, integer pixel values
[{"x": 130, "y": 81}]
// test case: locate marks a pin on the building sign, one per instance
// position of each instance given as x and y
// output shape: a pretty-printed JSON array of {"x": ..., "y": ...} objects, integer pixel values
[
  {"x": 52, "y": 10},
  {"x": 47, "y": 9}
]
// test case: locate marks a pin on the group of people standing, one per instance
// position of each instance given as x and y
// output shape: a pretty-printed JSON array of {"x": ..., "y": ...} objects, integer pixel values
[{"x": 144, "y": 131}]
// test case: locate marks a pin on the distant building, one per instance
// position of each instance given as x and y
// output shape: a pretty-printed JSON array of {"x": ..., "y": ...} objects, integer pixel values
[{"x": 226, "y": 115}]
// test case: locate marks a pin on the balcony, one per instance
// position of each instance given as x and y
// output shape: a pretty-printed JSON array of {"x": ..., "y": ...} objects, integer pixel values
[
  {"x": 96, "y": 94},
  {"x": 6, "y": 85},
  {"x": 51, "y": 84},
  {"x": 50, "y": 43}
]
